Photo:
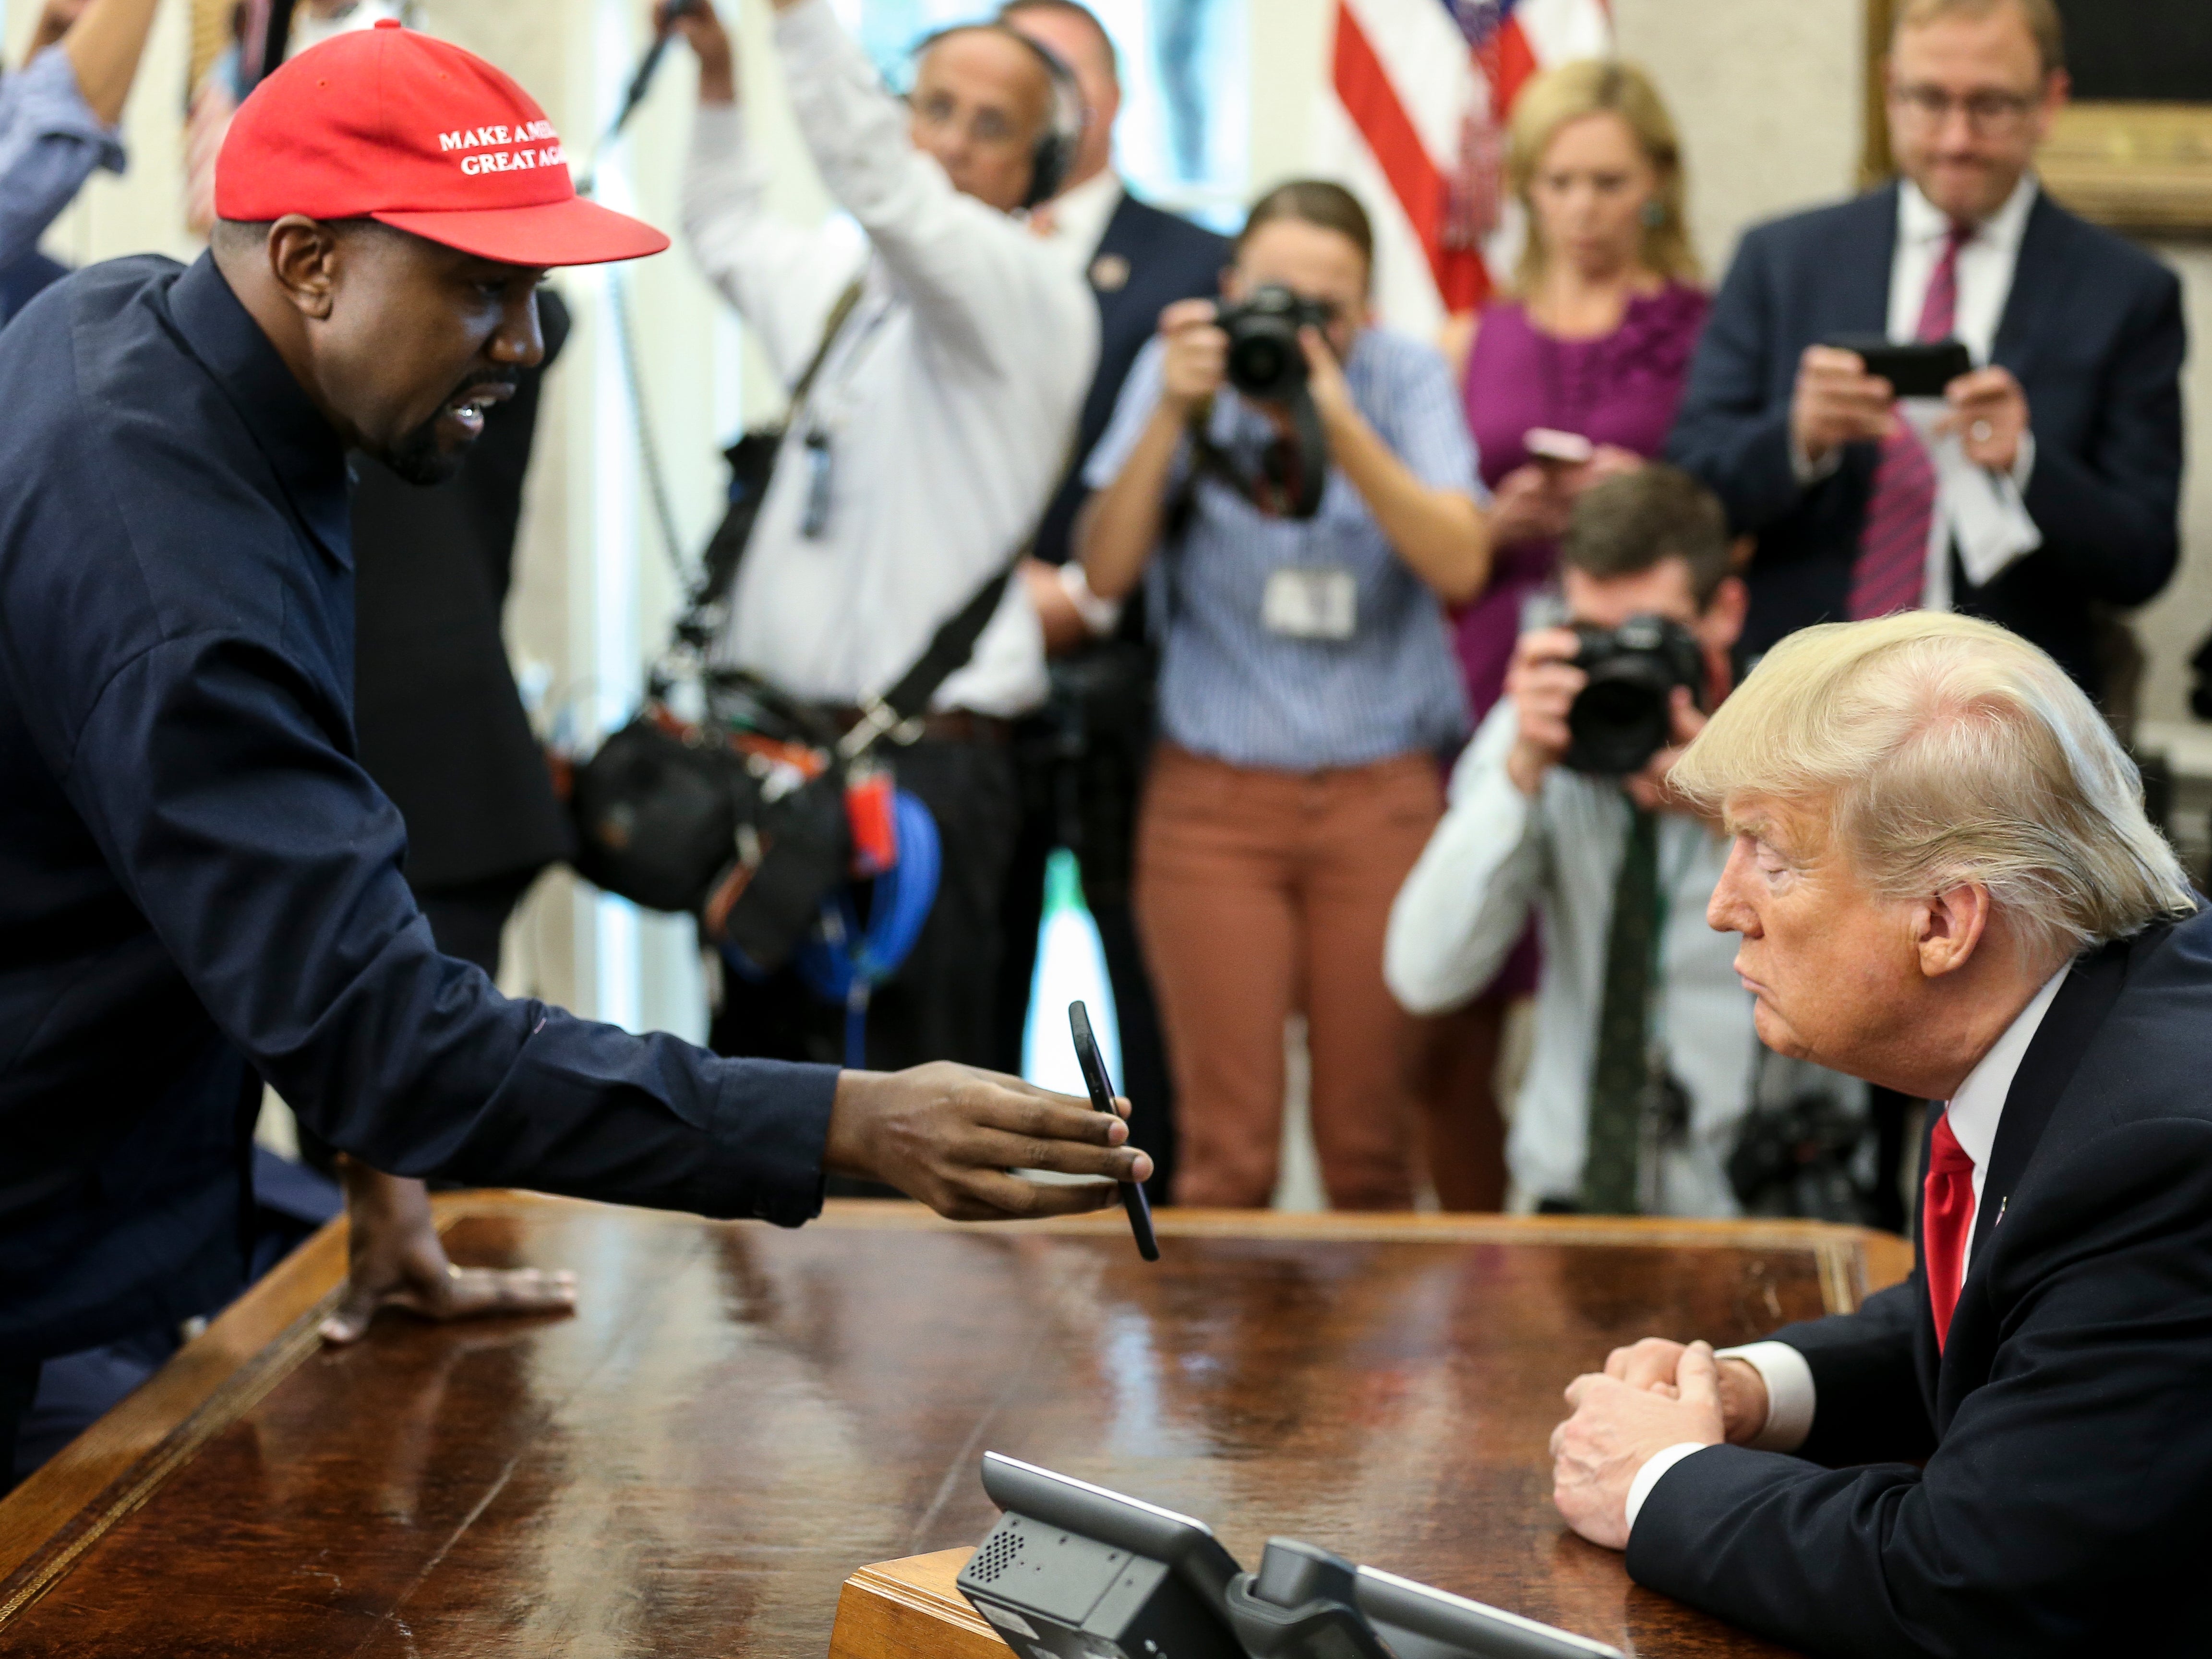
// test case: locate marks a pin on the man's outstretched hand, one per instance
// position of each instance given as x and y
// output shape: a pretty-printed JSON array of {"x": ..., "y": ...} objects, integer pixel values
[
  {"x": 948, "y": 1134},
  {"x": 394, "y": 1260}
]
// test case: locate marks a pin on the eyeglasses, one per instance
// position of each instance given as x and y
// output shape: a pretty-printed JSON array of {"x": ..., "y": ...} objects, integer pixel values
[{"x": 1987, "y": 112}]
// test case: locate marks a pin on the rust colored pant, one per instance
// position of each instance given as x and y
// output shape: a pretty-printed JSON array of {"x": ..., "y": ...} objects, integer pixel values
[{"x": 1258, "y": 893}]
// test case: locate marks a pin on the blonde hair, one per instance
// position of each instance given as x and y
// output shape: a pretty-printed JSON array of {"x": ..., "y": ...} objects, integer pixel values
[
  {"x": 1944, "y": 750},
  {"x": 2041, "y": 16},
  {"x": 1600, "y": 86}
]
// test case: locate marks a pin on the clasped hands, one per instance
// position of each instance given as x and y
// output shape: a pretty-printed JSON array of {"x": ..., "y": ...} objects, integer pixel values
[
  {"x": 1651, "y": 1395},
  {"x": 1837, "y": 402}
]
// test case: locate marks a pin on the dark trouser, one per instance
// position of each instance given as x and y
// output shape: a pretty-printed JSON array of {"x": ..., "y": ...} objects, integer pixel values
[
  {"x": 1145, "y": 1079},
  {"x": 940, "y": 1004}
]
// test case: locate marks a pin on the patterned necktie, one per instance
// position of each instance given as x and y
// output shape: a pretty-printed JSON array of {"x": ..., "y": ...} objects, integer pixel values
[
  {"x": 1947, "y": 1221},
  {"x": 1620, "y": 1075},
  {"x": 1890, "y": 570}
]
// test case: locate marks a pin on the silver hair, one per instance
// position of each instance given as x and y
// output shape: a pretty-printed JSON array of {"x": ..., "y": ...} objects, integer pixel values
[{"x": 1945, "y": 751}]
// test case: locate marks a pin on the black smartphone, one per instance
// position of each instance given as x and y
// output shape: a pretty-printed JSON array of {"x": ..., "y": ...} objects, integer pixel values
[
  {"x": 1913, "y": 370},
  {"x": 1102, "y": 1097}
]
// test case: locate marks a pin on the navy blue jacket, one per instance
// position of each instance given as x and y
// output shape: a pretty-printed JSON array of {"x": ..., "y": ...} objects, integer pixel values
[
  {"x": 2067, "y": 1486},
  {"x": 2092, "y": 328},
  {"x": 198, "y": 883},
  {"x": 1149, "y": 259}
]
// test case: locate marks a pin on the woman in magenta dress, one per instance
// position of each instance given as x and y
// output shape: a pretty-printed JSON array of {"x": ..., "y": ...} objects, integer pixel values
[{"x": 1593, "y": 342}]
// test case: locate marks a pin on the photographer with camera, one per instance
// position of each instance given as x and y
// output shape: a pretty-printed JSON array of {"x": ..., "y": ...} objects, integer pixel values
[
  {"x": 1645, "y": 1063},
  {"x": 951, "y": 351},
  {"x": 1298, "y": 490}
]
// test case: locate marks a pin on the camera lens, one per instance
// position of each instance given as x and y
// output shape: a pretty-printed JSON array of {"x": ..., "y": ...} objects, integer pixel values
[{"x": 1620, "y": 719}]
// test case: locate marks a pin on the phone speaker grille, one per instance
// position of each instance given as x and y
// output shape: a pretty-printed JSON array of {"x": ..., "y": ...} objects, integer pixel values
[{"x": 999, "y": 1552}]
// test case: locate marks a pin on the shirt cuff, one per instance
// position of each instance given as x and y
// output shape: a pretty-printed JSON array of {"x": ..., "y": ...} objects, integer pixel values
[
  {"x": 52, "y": 105},
  {"x": 1655, "y": 1467},
  {"x": 1809, "y": 472},
  {"x": 1099, "y": 616},
  {"x": 1789, "y": 1399}
]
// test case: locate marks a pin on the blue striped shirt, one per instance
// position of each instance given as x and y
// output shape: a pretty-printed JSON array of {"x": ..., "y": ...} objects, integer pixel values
[{"x": 1232, "y": 689}]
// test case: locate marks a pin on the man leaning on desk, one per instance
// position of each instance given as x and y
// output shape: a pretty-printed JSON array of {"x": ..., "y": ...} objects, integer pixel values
[
  {"x": 199, "y": 886},
  {"x": 1945, "y": 884}
]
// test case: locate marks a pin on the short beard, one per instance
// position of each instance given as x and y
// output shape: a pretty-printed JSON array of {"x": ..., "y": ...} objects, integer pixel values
[
  {"x": 417, "y": 457},
  {"x": 418, "y": 460}
]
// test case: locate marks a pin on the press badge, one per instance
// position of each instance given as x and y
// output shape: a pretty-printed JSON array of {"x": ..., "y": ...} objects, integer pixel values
[{"x": 1311, "y": 602}]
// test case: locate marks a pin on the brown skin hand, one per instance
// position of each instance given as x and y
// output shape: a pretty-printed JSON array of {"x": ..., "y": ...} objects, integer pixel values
[
  {"x": 948, "y": 1134},
  {"x": 394, "y": 1260},
  {"x": 392, "y": 337}
]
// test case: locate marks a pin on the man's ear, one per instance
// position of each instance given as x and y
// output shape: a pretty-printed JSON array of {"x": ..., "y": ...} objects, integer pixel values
[
  {"x": 1950, "y": 928},
  {"x": 303, "y": 256}
]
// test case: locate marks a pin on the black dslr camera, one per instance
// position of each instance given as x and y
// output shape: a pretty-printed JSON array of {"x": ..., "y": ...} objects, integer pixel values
[
  {"x": 1266, "y": 361},
  {"x": 1623, "y": 717}
]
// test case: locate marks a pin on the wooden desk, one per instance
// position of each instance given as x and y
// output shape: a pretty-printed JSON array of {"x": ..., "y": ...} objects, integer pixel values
[{"x": 738, "y": 1417}]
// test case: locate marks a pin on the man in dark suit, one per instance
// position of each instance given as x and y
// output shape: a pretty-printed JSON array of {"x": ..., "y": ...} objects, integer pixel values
[
  {"x": 1082, "y": 760},
  {"x": 2077, "y": 402},
  {"x": 2006, "y": 1454}
]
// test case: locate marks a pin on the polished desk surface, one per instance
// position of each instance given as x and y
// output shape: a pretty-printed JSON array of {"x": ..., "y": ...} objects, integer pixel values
[{"x": 737, "y": 1418}]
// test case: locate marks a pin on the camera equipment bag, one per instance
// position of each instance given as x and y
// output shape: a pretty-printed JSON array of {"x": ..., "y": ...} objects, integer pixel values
[{"x": 739, "y": 818}]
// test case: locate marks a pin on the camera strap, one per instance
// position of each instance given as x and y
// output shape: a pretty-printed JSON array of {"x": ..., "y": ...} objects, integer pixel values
[
  {"x": 752, "y": 461},
  {"x": 1293, "y": 470}
]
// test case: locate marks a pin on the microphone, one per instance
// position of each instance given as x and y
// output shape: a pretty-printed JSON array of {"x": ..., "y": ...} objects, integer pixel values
[{"x": 640, "y": 84}]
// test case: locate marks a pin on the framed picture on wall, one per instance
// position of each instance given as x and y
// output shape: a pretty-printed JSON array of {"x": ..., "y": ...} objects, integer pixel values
[{"x": 2134, "y": 151}]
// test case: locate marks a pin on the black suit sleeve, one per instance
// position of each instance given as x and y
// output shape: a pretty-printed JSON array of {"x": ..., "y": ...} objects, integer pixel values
[
  {"x": 2108, "y": 515},
  {"x": 1868, "y": 1403},
  {"x": 1728, "y": 433},
  {"x": 2070, "y": 1493}
]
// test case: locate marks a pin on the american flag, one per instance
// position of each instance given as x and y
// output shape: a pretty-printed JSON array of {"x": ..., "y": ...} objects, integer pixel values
[{"x": 1411, "y": 119}]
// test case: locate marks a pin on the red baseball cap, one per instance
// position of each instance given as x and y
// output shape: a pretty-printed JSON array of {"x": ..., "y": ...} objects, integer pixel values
[{"x": 395, "y": 126}]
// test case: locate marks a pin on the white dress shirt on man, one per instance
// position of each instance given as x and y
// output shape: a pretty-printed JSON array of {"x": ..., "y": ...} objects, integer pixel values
[
  {"x": 1975, "y": 1112},
  {"x": 1074, "y": 222},
  {"x": 1498, "y": 854},
  {"x": 948, "y": 403}
]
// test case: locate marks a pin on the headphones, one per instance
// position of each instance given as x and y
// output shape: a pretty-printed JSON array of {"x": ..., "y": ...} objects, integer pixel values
[{"x": 1054, "y": 152}]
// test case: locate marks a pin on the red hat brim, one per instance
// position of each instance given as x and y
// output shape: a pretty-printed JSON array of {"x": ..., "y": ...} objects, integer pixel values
[{"x": 574, "y": 232}]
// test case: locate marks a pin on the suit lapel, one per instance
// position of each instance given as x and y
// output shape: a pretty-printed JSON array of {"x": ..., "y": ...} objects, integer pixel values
[
  {"x": 1119, "y": 243},
  {"x": 1863, "y": 266},
  {"x": 2039, "y": 279},
  {"x": 2069, "y": 1024}
]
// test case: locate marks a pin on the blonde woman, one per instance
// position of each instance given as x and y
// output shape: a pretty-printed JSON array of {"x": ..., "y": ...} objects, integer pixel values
[{"x": 1593, "y": 341}]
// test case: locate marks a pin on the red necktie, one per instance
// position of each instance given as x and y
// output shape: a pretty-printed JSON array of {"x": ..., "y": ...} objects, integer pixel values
[
  {"x": 1891, "y": 571},
  {"x": 1947, "y": 1221}
]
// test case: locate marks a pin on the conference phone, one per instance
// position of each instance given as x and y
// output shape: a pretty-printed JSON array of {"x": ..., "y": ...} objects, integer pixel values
[{"x": 1076, "y": 1572}]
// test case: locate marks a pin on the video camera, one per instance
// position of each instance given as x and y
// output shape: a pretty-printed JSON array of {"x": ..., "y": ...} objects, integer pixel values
[{"x": 1624, "y": 715}]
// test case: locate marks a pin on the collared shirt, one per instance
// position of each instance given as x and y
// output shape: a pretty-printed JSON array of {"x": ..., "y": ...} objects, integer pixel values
[
  {"x": 49, "y": 142},
  {"x": 1975, "y": 1112},
  {"x": 1232, "y": 689},
  {"x": 1496, "y": 854},
  {"x": 199, "y": 886},
  {"x": 1077, "y": 218},
  {"x": 1986, "y": 263},
  {"x": 943, "y": 413}
]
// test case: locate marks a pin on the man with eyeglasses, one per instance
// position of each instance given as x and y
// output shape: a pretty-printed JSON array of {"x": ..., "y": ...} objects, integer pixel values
[
  {"x": 2046, "y": 492},
  {"x": 955, "y": 347}
]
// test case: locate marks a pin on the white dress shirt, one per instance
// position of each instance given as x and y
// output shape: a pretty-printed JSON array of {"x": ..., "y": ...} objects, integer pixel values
[
  {"x": 1975, "y": 1112},
  {"x": 1496, "y": 854},
  {"x": 950, "y": 399}
]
